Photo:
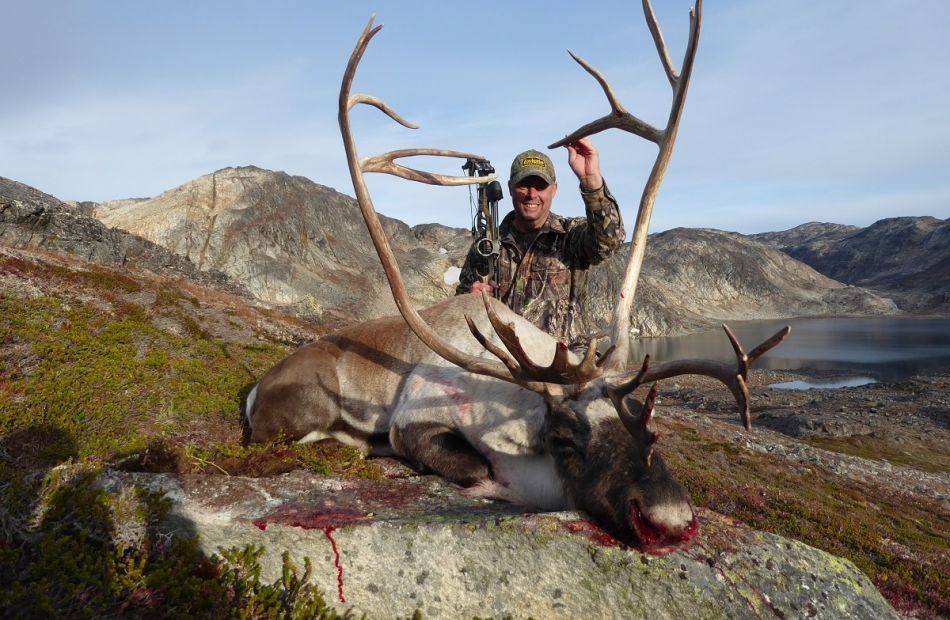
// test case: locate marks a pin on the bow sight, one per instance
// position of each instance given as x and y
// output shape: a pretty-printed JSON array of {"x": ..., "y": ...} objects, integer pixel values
[{"x": 485, "y": 221}]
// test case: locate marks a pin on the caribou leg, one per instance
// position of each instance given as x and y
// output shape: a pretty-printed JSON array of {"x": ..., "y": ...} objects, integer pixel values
[{"x": 440, "y": 449}]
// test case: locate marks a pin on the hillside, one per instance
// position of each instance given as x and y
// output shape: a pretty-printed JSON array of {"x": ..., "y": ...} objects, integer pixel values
[
  {"x": 907, "y": 258},
  {"x": 117, "y": 383},
  {"x": 293, "y": 242},
  {"x": 31, "y": 219},
  {"x": 290, "y": 241},
  {"x": 693, "y": 278}
]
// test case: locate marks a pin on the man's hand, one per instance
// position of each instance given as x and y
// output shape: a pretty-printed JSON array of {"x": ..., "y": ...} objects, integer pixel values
[
  {"x": 479, "y": 286},
  {"x": 585, "y": 162}
]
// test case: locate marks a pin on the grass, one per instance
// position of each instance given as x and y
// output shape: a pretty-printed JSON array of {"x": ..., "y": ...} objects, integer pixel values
[
  {"x": 923, "y": 457},
  {"x": 110, "y": 378},
  {"x": 255, "y": 460}
]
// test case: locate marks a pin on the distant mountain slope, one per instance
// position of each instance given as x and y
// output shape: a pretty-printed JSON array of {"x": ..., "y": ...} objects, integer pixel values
[
  {"x": 812, "y": 232},
  {"x": 288, "y": 239},
  {"x": 693, "y": 278},
  {"x": 31, "y": 219},
  {"x": 292, "y": 242},
  {"x": 907, "y": 258}
]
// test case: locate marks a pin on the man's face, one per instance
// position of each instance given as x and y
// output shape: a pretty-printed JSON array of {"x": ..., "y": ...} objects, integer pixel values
[{"x": 532, "y": 198}]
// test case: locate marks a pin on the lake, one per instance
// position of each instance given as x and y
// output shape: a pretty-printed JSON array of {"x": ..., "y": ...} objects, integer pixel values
[{"x": 884, "y": 349}]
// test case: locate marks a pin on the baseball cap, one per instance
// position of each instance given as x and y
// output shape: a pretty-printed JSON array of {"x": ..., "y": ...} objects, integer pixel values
[{"x": 532, "y": 163}]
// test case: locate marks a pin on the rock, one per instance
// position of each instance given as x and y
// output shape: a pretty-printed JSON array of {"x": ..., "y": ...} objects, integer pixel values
[
  {"x": 31, "y": 219},
  {"x": 811, "y": 424},
  {"x": 388, "y": 548},
  {"x": 290, "y": 241},
  {"x": 904, "y": 257}
]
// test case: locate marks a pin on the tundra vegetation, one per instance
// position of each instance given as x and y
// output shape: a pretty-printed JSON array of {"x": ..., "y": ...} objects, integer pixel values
[{"x": 104, "y": 368}]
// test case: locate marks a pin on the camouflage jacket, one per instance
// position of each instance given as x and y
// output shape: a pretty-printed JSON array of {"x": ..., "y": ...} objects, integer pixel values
[{"x": 543, "y": 274}]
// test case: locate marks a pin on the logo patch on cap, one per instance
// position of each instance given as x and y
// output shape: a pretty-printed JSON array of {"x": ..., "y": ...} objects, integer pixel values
[{"x": 533, "y": 162}]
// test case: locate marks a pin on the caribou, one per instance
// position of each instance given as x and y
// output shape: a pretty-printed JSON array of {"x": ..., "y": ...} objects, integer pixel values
[{"x": 471, "y": 391}]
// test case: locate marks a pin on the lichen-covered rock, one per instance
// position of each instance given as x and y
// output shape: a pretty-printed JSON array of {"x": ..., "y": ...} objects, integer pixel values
[
  {"x": 31, "y": 219},
  {"x": 388, "y": 548}
]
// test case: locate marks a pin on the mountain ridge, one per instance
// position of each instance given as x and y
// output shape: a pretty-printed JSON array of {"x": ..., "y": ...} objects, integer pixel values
[
  {"x": 907, "y": 258},
  {"x": 293, "y": 241}
]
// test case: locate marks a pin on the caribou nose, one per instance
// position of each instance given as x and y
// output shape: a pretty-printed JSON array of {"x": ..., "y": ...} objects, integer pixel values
[
  {"x": 661, "y": 527},
  {"x": 673, "y": 517}
]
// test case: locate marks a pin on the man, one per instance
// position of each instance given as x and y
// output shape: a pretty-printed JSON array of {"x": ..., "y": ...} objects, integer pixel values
[{"x": 544, "y": 257}]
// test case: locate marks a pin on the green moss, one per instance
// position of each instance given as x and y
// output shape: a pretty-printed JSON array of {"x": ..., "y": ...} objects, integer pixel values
[
  {"x": 84, "y": 383},
  {"x": 923, "y": 457},
  {"x": 256, "y": 460},
  {"x": 114, "y": 382},
  {"x": 169, "y": 297},
  {"x": 78, "y": 561}
]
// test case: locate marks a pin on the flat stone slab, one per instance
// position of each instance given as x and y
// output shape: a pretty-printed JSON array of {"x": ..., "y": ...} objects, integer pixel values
[{"x": 388, "y": 548}]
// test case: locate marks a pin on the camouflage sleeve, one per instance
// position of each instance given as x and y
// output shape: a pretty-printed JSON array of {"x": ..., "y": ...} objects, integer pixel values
[
  {"x": 469, "y": 273},
  {"x": 596, "y": 239}
]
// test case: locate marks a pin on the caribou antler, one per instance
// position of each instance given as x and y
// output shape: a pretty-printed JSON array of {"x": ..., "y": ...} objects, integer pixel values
[
  {"x": 520, "y": 369},
  {"x": 619, "y": 118},
  {"x": 525, "y": 371},
  {"x": 735, "y": 377}
]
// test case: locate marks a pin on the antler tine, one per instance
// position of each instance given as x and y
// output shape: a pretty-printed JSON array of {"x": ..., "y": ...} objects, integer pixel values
[
  {"x": 638, "y": 425},
  {"x": 494, "y": 349},
  {"x": 385, "y": 163},
  {"x": 618, "y": 392},
  {"x": 559, "y": 372},
  {"x": 380, "y": 105},
  {"x": 742, "y": 360},
  {"x": 661, "y": 49},
  {"x": 735, "y": 377},
  {"x": 769, "y": 344},
  {"x": 619, "y": 118}
]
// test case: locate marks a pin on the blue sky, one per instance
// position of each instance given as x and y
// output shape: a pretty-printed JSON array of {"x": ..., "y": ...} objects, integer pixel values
[{"x": 814, "y": 110}]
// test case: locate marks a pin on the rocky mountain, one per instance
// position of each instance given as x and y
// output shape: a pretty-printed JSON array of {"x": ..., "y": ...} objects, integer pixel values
[
  {"x": 290, "y": 241},
  {"x": 694, "y": 278},
  {"x": 817, "y": 232},
  {"x": 907, "y": 258},
  {"x": 293, "y": 242},
  {"x": 31, "y": 219}
]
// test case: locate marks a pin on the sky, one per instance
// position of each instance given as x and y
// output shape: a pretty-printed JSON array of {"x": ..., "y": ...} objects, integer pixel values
[{"x": 814, "y": 110}]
